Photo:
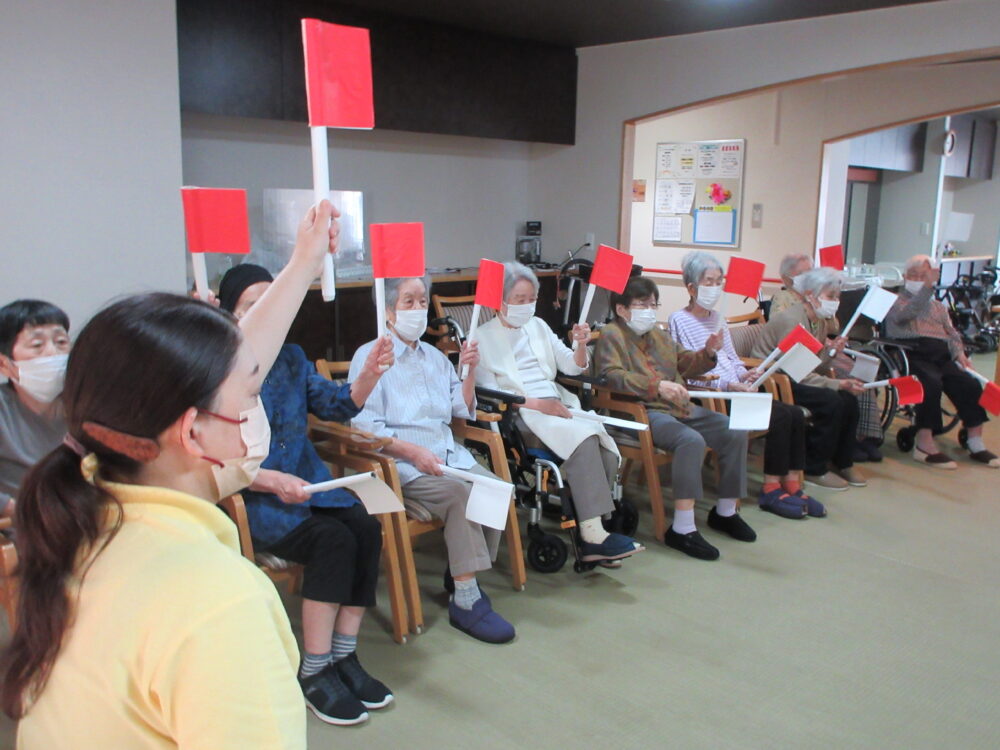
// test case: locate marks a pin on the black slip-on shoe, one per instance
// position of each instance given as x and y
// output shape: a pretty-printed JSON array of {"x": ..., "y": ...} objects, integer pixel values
[
  {"x": 330, "y": 699},
  {"x": 692, "y": 544},
  {"x": 733, "y": 525},
  {"x": 371, "y": 692}
]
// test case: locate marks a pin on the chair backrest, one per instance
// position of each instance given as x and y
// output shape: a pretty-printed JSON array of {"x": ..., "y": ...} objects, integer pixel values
[
  {"x": 236, "y": 509},
  {"x": 744, "y": 338},
  {"x": 755, "y": 317},
  {"x": 332, "y": 370},
  {"x": 460, "y": 309}
]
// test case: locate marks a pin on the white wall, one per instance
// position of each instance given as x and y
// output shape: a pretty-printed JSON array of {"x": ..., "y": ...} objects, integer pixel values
[
  {"x": 577, "y": 188},
  {"x": 90, "y": 148},
  {"x": 982, "y": 199},
  {"x": 469, "y": 192}
]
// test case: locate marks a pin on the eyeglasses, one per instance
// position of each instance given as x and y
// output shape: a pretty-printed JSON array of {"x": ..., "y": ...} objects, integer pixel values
[{"x": 644, "y": 306}]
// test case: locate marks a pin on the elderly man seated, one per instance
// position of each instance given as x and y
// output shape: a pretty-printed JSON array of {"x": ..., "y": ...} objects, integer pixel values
[
  {"x": 792, "y": 266},
  {"x": 833, "y": 401},
  {"x": 413, "y": 404},
  {"x": 639, "y": 357},
  {"x": 938, "y": 359}
]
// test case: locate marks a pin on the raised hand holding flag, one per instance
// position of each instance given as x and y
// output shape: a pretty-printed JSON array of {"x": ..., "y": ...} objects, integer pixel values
[
  {"x": 611, "y": 271},
  {"x": 875, "y": 305},
  {"x": 743, "y": 278},
  {"x": 338, "y": 95},
  {"x": 489, "y": 293},
  {"x": 397, "y": 253},
  {"x": 216, "y": 221}
]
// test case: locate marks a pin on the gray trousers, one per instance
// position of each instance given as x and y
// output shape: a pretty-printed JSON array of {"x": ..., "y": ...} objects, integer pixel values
[
  {"x": 687, "y": 438},
  {"x": 471, "y": 547},
  {"x": 589, "y": 471}
]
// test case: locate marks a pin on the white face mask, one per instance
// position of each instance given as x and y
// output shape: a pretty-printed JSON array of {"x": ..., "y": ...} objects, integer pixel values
[
  {"x": 410, "y": 324},
  {"x": 828, "y": 308},
  {"x": 708, "y": 296},
  {"x": 913, "y": 286},
  {"x": 235, "y": 474},
  {"x": 518, "y": 315},
  {"x": 42, "y": 378},
  {"x": 797, "y": 283},
  {"x": 642, "y": 321}
]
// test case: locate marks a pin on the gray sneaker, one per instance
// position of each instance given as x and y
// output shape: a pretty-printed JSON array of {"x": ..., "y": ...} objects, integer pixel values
[{"x": 829, "y": 481}]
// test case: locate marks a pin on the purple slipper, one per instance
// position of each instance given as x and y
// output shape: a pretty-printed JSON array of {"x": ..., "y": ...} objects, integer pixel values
[{"x": 481, "y": 622}]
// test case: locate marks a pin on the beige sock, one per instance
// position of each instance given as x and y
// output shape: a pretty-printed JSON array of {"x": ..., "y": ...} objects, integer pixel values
[{"x": 592, "y": 531}]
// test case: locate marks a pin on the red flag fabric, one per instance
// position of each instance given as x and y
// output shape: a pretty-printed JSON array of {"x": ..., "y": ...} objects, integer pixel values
[
  {"x": 489, "y": 284},
  {"x": 744, "y": 277},
  {"x": 216, "y": 220},
  {"x": 990, "y": 400},
  {"x": 799, "y": 335},
  {"x": 338, "y": 75},
  {"x": 832, "y": 257},
  {"x": 612, "y": 269},
  {"x": 909, "y": 390},
  {"x": 397, "y": 250}
]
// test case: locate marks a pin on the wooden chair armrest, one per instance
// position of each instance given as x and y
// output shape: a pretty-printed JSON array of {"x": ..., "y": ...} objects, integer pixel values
[
  {"x": 487, "y": 416},
  {"x": 750, "y": 362},
  {"x": 347, "y": 434},
  {"x": 354, "y": 462}
]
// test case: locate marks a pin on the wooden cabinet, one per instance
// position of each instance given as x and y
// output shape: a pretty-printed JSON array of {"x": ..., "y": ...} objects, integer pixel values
[
  {"x": 899, "y": 149},
  {"x": 975, "y": 143}
]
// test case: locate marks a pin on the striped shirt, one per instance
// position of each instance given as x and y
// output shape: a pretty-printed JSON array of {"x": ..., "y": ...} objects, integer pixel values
[
  {"x": 415, "y": 401},
  {"x": 692, "y": 332},
  {"x": 920, "y": 315}
]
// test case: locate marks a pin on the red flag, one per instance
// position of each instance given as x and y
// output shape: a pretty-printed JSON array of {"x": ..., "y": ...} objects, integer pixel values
[
  {"x": 909, "y": 390},
  {"x": 489, "y": 284},
  {"x": 744, "y": 277},
  {"x": 397, "y": 250},
  {"x": 799, "y": 335},
  {"x": 216, "y": 220},
  {"x": 832, "y": 257},
  {"x": 612, "y": 269},
  {"x": 338, "y": 75},
  {"x": 990, "y": 400}
]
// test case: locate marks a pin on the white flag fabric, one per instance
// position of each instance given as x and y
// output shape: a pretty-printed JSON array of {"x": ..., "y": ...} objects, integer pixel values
[
  {"x": 876, "y": 303},
  {"x": 375, "y": 495},
  {"x": 750, "y": 411},
  {"x": 489, "y": 500},
  {"x": 865, "y": 367},
  {"x": 798, "y": 362}
]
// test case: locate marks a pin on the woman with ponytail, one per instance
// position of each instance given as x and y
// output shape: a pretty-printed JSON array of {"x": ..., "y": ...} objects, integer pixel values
[{"x": 139, "y": 623}]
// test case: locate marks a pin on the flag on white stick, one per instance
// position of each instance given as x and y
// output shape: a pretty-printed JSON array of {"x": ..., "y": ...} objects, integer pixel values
[
  {"x": 875, "y": 305},
  {"x": 865, "y": 366},
  {"x": 611, "y": 421},
  {"x": 375, "y": 495},
  {"x": 748, "y": 411},
  {"x": 611, "y": 271},
  {"x": 489, "y": 500}
]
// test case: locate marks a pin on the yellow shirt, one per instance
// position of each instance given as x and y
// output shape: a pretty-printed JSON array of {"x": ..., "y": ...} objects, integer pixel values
[{"x": 178, "y": 642}]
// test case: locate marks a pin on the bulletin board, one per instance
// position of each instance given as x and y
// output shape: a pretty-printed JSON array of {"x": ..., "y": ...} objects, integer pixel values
[{"x": 698, "y": 193}]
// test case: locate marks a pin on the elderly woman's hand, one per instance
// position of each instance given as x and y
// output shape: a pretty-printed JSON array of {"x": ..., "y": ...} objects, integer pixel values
[
  {"x": 742, "y": 387},
  {"x": 714, "y": 342},
  {"x": 837, "y": 346},
  {"x": 673, "y": 393},
  {"x": 469, "y": 355},
  {"x": 551, "y": 406},
  {"x": 581, "y": 332},
  {"x": 851, "y": 385}
]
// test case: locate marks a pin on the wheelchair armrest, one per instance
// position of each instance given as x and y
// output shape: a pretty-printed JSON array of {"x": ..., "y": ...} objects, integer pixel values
[
  {"x": 504, "y": 397},
  {"x": 599, "y": 380},
  {"x": 488, "y": 416}
]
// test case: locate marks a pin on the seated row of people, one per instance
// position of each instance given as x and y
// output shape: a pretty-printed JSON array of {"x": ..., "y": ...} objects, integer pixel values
[{"x": 144, "y": 429}]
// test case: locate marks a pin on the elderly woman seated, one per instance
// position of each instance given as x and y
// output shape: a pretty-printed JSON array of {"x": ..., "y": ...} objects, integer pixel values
[
  {"x": 413, "y": 404},
  {"x": 832, "y": 436},
  {"x": 785, "y": 446},
  {"x": 330, "y": 533},
  {"x": 522, "y": 355},
  {"x": 639, "y": 357},
  {"x": 938, "y": 359}
]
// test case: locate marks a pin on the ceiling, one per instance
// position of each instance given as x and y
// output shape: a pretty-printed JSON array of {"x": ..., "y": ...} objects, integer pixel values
[{"x": 583, "y": 23}]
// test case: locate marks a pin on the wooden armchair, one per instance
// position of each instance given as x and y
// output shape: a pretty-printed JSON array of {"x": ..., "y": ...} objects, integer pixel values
[
  {"x": 417, "y": 520},
  {"x": 460, "y": 310},
  {"x": 8, "y": 576}
]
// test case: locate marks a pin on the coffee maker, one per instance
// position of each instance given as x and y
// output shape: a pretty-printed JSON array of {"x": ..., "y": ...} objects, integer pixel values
[{"x": 528, "y": 247}]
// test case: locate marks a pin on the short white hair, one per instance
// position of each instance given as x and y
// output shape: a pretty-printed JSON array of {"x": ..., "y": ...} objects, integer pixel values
[
  {"x": 694, "y": 265},
  {"x": 514, "y": 272},
  {"x": 392, "y": 289},
  {"x": 790, "y": 262},
  {"x": 916, "y": 262},
  {"x": 819, "y": 280}
]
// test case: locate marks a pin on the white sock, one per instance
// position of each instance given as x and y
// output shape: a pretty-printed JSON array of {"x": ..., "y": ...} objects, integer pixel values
[
  {"x": 976, "y": 444},
  {"x": 592, "y": 531},
  {"x": 684, "y": 521},
  {"x": 726, "y": 506}
]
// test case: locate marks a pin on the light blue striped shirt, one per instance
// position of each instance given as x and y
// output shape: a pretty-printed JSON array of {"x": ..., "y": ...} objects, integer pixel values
[{"x": 415, "y": 401}]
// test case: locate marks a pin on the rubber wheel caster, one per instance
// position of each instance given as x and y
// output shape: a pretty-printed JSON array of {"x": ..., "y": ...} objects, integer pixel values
[
  {"x": 548, "y": 554},
  {"x": 905, "y": 439}
]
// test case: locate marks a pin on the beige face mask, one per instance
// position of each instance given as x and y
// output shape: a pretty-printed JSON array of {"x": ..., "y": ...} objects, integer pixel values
[{"x": 234, "y": 474}]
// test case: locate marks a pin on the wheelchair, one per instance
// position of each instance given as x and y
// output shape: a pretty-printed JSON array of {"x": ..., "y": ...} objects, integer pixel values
[{"x": 539, "y": 487}]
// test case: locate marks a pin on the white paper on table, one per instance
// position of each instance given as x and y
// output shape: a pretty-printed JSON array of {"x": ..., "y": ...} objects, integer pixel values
[
  {"x": 798, "y": 362},
  {"x": 750, "y": 411},
  {"x": 865, "y": 367},
  {"x": 876, "y": 303},
  {"x": 489, "y": 500},
  {"x": 375, "y": 495}
]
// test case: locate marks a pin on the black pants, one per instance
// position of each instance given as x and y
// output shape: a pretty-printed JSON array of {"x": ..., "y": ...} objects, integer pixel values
[
  {"x": 340, "y": 549},
  {"x": 785, "y": 442},
  {"x": 832, "y": 434},
  {"x": 932, "y": 363}
]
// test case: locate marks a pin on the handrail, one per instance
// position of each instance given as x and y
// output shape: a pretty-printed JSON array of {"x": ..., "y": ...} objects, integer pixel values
[{"x": 672, "y": 272}]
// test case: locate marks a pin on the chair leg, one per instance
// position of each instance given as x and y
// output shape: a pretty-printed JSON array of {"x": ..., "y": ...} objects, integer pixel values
[
  {"x": 8, "y": 584},
  {"x": 652, "y": 473},
  {"x": 393, "y": 578},
  {"x": 409, "y": 568},
  {"x": 515, "y": 553}
]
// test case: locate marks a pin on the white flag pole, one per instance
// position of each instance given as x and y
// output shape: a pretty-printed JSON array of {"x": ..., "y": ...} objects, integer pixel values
[
  {"x": 875, "y": 384},
  {"x": 770, "y": 357},
  {"x": 588, "y": 300},
  {"x": 981, "y": 378},
  {"x": 767, "y": 373},
  {"x": 321, "y": 191},
  {"x": 472, "y": 334},
  {"x": 380, "y": 306},
  {"x": 200, "y": 275}
]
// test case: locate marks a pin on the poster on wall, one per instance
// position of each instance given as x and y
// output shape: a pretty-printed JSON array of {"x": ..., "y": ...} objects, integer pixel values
[{"x": 694, "y": 179}]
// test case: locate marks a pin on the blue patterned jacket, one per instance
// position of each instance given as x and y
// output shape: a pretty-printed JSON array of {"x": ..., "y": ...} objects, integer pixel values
[{"x": 292, "y": 390}]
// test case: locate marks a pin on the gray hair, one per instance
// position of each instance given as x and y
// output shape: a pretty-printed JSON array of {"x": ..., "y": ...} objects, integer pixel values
[
  {"x": 514, "y": 272},
  {"x": 790, "y": 261},
  {"x": 916, "y": 262},
  {"x": 694, "y": 265},
  {"x": 392, "y": 289},
  {"x": 819, "y": 280}
]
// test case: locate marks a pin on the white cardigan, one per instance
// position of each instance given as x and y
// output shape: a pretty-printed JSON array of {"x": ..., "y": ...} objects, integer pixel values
[{"x": 497, "y": 369}]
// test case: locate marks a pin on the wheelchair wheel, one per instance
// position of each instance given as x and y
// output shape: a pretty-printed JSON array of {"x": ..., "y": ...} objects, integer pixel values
[
  {"x": 963, "y": 438},
  {"x": 624, "y": 520},
  {"x": 905, "y": 438},
  {"x": 548, "y": 554}
]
